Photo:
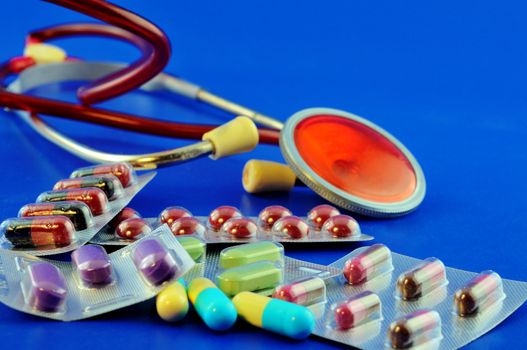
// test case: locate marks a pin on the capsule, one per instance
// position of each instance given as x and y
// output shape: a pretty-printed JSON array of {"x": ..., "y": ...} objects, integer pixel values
[
  {"x": 275, "y": 315},
  {"x": 358, "y": 310},
  {"x": 172, "y": 302},
  {"x": 211, "y": 304},
  {"x": 240, "y": 228},
  {"x": 307, "y": 291},
  {"x": 269, "y": 215},
  {"x": 341, "y": 226},
  {"x": 251, "y": 252},
  {"x": 257, "y": 276},
  {"x": 372, "y": 262},
  {"x": 319, "y": 214},
  {"x": 154, "y": 261},
  {"x": 38, "y": 231},
  {"x": 78, "y": 212},
  {"x": 479, "y": 293},
  {"x": 92, "y": 264},
  {"x": 132, "y": 228},
  {"x": 44, "y": 287},
  {"x": 421, "y": 280},
  {"x": 414, "y": 329},
  {"x": 109, "y": 184},
  {"x": 122, "y": 171},
  {"x": 187, "y": 226},
  {"x": 171, "y": 214},
  {"x": 221, "y": 214},
  {"x": 125, "y": 214},
  {"x": 93, "y": 197},
  {"x": 193, "y": 246},
  {"x": 291, "y": 227}
]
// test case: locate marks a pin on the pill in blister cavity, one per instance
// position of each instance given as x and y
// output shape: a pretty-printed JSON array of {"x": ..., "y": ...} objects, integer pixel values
[
  {"x": 414, "y": 329},
  {"x": 307, "y": 291},
  {"x": 257, "y": 276},
  {"x": 240, "y": 228},
  {"x": 38, "y": 231},
  {"x": 269, "y": 215},
  {"x": 125, "y": 214},
  {"x": 44, "y": 287},
  {"x": 319, "y": 214},
  {"x": 172, "y": 302},
  {"x": 357, "y": 310},
  {"x": 212, "y": 305},
  {"x": 291, "y": 227},
  {"x": 422, "y": 279},
  {"x": 171, "y": 214},
  {"x": 193, "y": 246},
  {"x": 109, "y": 184},
  {"x": 368, "y": 264},
  {"x": 92, "y": 265},
  {"x": 251, "y": 252},
  {"x": 221, "y": 214},
  {"x": 478, "y": 294},
  {"x": 78, "y": 212},
  {"x": 122, "y": 171},
  {"x": 187, "y": 226},
  {"x": 275, "y": 315},
  {"x": 95, "y": 198},
  {"x": 154, "y": 261},
  {"x": 340, "y": 226},
  {"x": 132, "y": 228}
]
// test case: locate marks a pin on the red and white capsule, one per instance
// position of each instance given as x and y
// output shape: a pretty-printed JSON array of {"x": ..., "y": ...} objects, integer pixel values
[
  {"x": 306, "y": 292},
  {"x": 358, "y": 310},
  {"x": 370, "y": 263}
]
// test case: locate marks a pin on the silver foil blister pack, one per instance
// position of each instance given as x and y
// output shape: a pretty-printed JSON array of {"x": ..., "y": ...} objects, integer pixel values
[
  {"x": 382, "y": 300},
  {"x": 94, "y": 282}
]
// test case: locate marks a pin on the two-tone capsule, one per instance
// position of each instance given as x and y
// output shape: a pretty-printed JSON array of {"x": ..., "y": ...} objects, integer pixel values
[
  {"x": 78, "y": 212},
  {"x": 307, "y": 291},
  {"x": 275, "y": 315},
  {"x": 94, "y": 198},
  {"x": 212, "y": 305},
  {"x": 109, "y": 184},
  {"x": 38, "y": 231},
  {"x": 421, "y": 280},
  {"x": 358, "y": 310},
  {"x": 172, "y": 302},
  {"x": 123, "y": 171},
  {"x": 370, "y": 263},
  {"x": 478, "y": 294},
  {"x": 414, "y": 329}
]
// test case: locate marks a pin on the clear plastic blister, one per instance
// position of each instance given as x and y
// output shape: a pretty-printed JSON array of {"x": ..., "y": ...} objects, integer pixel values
[
  {"x": 226, "y": 224},
  {"x": 93, "y": 282},
  {"x": 65, "y": 220},
  {"x": 416, "y": 304}
]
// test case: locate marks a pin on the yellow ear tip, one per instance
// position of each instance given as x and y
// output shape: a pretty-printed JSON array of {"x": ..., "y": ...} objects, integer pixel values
[
  {"x": 265, "y": 176},
  {"x": 237, "y": 136},
  {"x": 44, "y": 53}
]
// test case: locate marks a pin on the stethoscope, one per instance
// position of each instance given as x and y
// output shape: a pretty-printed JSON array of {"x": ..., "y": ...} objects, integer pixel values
[{"x": 344, "y": 158}]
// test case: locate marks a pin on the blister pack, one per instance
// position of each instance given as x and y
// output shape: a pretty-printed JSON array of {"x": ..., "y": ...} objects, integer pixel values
[
  {"x": 72, "y": 213},
  {"x": 226, "y": 224},
  {"x": 93, "y": 282},
  {"x": 385, "y": 300}
]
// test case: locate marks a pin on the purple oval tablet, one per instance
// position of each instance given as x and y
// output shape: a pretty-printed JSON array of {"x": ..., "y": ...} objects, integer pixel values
[
  {"x": 92, "y": 264},
  {"x": 45, "y": 287},
  {"x": 154, "y": 261}
]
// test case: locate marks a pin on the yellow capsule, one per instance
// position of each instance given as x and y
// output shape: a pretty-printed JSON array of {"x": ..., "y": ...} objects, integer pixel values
[
  {"x": 172, "y": 303},
  {"x": 45, "y": 53}
]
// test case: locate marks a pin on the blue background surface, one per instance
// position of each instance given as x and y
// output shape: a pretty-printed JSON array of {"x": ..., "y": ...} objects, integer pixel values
[{"x": 447, "y": 79}]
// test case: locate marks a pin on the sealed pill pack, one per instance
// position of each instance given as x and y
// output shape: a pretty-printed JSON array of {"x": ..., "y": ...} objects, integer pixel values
[
  {"x": 72, "y": 213},
  {"x": 93, "y": 282},
  {"x": 226, "y": 224},
  {"x": 382, "y": 300}
]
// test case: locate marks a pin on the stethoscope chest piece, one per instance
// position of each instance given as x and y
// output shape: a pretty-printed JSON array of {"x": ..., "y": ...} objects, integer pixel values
[{"x": 352, "y": 162}]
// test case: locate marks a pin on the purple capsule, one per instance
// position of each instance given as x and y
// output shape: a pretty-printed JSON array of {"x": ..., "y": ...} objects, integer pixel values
[
  {"x": 45, "y": 287},
  {"x": 92, "y": 264},
  {"x": 154, "y": 261}
]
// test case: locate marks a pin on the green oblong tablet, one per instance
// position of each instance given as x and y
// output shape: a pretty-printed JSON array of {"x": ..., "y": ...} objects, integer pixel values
[
  {"x": 251, "y": 252},
  {"x": 257, "y": 276},
  {"x": 194, "y": 246}
]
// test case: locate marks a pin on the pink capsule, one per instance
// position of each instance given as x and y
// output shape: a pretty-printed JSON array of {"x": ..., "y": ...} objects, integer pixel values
[
  {"x": 292, "y": 226},
  {"x": 341, "y": 226},
  {"x": 355, "y": 311},
  {"x": 221, "y": 214},
  {"x": 187, "y": 226},
  {"x": 171, "y": 214},
  {"x": 269, "y": 215},
  {"x": 307, "y": 291},
  {"x": 373, "y": 261},
  {"x": 240, "y": 227},
  {"x": 131, "y": 228},
  {"x": 319, "y": 214}
]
